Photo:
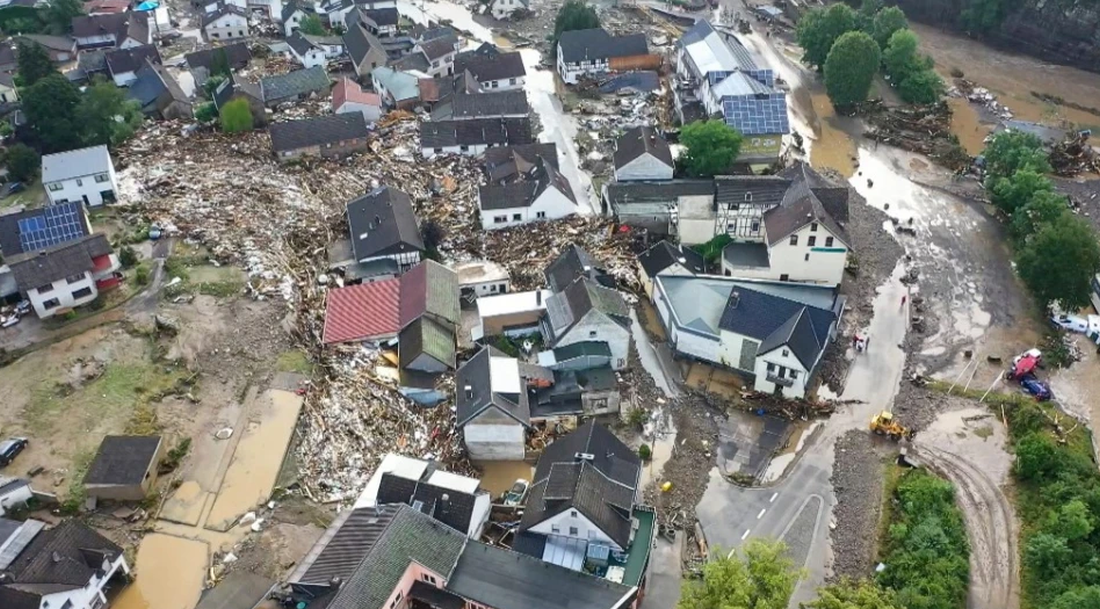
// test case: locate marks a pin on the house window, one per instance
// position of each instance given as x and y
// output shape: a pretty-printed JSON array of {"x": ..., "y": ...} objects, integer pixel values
[
  {"x": 435, "y": 64},
  {"x": 812, "y": 241},
  {"x": 828, "y": 241},
  {"x": 600, "y": 403},
  {"x": 794, "y": 239},
  {"x": 727, "y": 272},
  {"x": 499, "y": 219},
  {"x": 495, "y": 85},
  {"x": 511, "y": 81},
  {"x": 517, "y": 217},
  {"x": 786, "y": 353},
  {"x": 101, "y": 178},
  {"x": 755, "y": 226},
  {"x": 437, "y": 150},
  {"x": 429, "y": 578},
  {"x": 573, "y": 532},
  {"x": 540, "y": 215},
  {"x": 56, "y": 186},
  {"x": 240, "y": 33},
  {"x": 464, "y": 148},
  {"x": 784, "y": 277},
  {"x": 771, "y": 367},
  {"x": 74, "y": 278},
  {"x": 493, "y": 288},
  {"x": 82, "y": 293},
  {"x": 79, "y": 182},
  {"x": 748, "y": 196},
  {"x": 52, "y": 303},
  {"x": 734, "y": 206},
  {"x": 591, "y": 334},
  {"x": 573, "y": 513},
  {"x": 555, "y": 528},
  {"x": 793, "y": 374},
  {"x": 807, "y": 258},
  {"x": 215, "y": 35}
]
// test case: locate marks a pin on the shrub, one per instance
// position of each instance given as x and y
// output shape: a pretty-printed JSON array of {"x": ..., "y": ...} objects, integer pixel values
[
  {"x": 127, "y": 257},
  {"x": 644, "y": 452}
]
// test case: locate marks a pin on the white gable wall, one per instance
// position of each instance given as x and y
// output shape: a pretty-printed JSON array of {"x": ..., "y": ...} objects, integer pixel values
[
  {"x": 595, "y": 326},
  {"x": 550, "y": 205},
  {"x": 494, "y": 441},
  {"x": 784, "y": 364},
  {"x": 563, "y": 525},
  {"x": 820, "y": 262},
  {"x": 90, "y": 595},
  {"x": 645, "y": 167},
  {"x": 696, "y": 218}
]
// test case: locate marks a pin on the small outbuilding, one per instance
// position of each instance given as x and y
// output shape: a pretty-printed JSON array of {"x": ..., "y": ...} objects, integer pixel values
[{"x": 124, "y": 468}]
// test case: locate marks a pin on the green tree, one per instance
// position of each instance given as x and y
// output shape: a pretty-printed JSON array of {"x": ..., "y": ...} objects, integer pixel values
[
  {"x": 900, "y": 57},
  {"x": 312, "y": 25},
  {"x": 59, "y": 15},
  {"x": 206, "y": 113},
  {"x": 1078, "y": 598},
  {"x": 1036, "y": 457},
  {"x": 819, "y": 29},
  {"x": 1072, "y": 521},
  {"x": 887, "y": 21},
  {"x": 106, "y": 115},
  {"x": 211, "y": 85},
  {"x": 853, "y": 594},
  {"x": 34, "y": 63},
  {"x": 866, "y": 14},
  {"x": 922, "y": 87},
  {"x": 1058, "y": 263},
  {"x": 1011, "y": 151},
  {"x": 760, "y": 576},
  {"x": 1044, "y": 207},
  {"x": 1047, "y": 554},
  {"x": 23, "y": 163},
  {"x": 711, "y": 147},
  {"x": 1015, "y": 191},
  {"x": 574, "y": 15},
  {"x": 850, "y": 68},
  {"x": 981, "y": 16},
  {"x": 219, "y": 64},
  {"x": 50, "y": 105},
  {"x": 236, "y": 116}
]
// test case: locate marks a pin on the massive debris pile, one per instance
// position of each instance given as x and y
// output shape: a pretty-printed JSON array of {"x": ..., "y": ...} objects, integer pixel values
[
  {"x": 1074, "y": 155},
  {"x": 923, "y": 129}
]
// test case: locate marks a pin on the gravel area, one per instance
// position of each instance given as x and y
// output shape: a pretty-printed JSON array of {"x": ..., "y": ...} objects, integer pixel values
[
  {"x": 857, "y": 481},
  {"x": 692, "y": 459},
  {"x": 1085, "y": 194}
]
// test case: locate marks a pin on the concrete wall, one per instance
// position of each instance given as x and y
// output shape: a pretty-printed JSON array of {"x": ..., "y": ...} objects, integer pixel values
[
  {"x": 16, "y": 497},
  {"x": 696, "y": 214},
  {"x": 63, "y": 291},
  {"x": 492, "y": 326},
  {"x": 564, "y": 523},
  {"x": 818, "y": 263},
  {"x": 328, "y": 151},
  {"x": 783, "y": 365},
  {"x": 645, "y": 167},
  {"x": 591, "y": 402},
  {"x": 595, "y": 326},
  {"x": 494, "y": 441}
]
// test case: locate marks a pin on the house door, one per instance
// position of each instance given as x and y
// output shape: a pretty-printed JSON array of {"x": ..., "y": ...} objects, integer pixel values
[{"x": 85, "y": 197}]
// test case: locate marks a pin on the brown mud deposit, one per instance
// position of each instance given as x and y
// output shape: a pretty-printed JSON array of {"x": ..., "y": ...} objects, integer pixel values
[{"x": 170, "y": 574}]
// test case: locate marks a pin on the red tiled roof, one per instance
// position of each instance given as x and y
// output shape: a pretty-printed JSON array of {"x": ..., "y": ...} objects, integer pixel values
[
  {"x": 363, "y": 312},
  {"x": 107, "y": 6},
  {"x": 347, "y": 91},
  {"x": 414, "y": 293}
]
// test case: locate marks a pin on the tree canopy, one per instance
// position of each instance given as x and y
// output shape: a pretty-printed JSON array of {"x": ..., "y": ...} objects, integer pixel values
[
  {"x": 219, "y": 63},
  {"x": 711, "y": 147},
  {"x": 850, "y": 68},
  {"x": 1011, "y": 151},
  {"x": 107, "y": 115},
  {"x": 1015, "y": 191},
  {"x": 50, "y": 105},
  {"x": 981, "y": 16},
  {"x": 236, "y": 116},
  {"x": 819, "y": 29},
  {"x": 23, "y": 163},
  {"x": 312, "y": 25},
  {"x": 59, "y": 14},
  {"x": 853, "y": 594},
  {"x": 1044, "y": 207},
  {"x": 1058, "y": 263},
  {"x": 33, "y": 63},
  {"x": 574, "y": 15},
  {"x": 760, "y": 576},
  {"x": 886, "y": 22}
]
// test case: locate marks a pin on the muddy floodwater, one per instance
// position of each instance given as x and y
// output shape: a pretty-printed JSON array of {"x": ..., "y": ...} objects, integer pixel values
[{"x": 170, "y": 574}]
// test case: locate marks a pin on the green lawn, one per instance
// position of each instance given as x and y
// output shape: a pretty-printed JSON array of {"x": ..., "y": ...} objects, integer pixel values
[{"x": 33, "y": 196}]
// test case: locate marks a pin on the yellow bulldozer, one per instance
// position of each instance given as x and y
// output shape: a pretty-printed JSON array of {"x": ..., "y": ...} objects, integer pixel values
[{"x": 884, "y": 424}]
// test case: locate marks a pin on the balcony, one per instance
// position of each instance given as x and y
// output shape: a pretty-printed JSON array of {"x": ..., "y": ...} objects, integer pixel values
[{"x": 778, "y": 380}]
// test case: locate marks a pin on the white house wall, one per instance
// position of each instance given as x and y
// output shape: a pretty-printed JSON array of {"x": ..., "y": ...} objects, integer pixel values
[
  {"x": 502, "y": 9},
  {"x": 552, "y": 204},
  {"x": 227, "y": 27},
  {"x": 483, "y": 504},
  {"x": 494, "y": 442},
  {"x": 503, "y": 84},
  {"x": 312, "y": 58},
  {"x": 789, "y": 362},
  {"x": 91, "y": 595},
  {"x": 16, "y": 497},
  {"x": 595, "y": 326},
  {"x": 696, "y": 219},
  {"x": 570, "y": 72},
  {"x": 370, "y": 113},
  {"x": 645, "y": 167},
  {"x": 560, "y": 524},
  {"x": 63, "y": 291},
  {"x": 810, "y": 264},
  {"x": 75, "y": 189},
  {"x": 294, "y": 22}
]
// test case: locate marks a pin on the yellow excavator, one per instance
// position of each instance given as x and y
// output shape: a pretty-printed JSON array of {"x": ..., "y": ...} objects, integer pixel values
[{"x": 884, "y": 424}]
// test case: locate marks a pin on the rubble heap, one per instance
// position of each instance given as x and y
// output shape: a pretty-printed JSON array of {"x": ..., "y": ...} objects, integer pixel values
[
  {"x": 923, "y": 129},
  {"x": 1074, "y": 155}
]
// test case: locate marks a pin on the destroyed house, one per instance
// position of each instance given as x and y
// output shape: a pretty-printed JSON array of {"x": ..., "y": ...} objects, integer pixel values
[
  {"x": 642, "y": 154},
  {"x": 69, "y": 274},
  {"x": 492, "y": 407},
  {"x": 464, "y": 106},
  {"x": 543, "y": 194},
  {"x": 379, "y": 311},
  {"x": 473, "y": 137},
  {"x": 69, "y": 566},
  {"x": 294, "y": 86},
  {"x": 583, "y": 513},
  {"x": 492, "y": 68},
  {"x": 572, "y": 263},
  {"x": 718, "y": 72},
  {"x": 503, "y": 9},
  {"x": 594, "y": 51},
  {"x": 505, "y": 164},
  {"x": 587, "y": 311},
  {"x": 397, "y": 556},
  {"x": 774, "y": 333},
  {"x": 158, "y": 93},
  {"x": 330, "y": 136},
  {"x": 385, "y": 235},
  {"x": 567, "y": 394}
]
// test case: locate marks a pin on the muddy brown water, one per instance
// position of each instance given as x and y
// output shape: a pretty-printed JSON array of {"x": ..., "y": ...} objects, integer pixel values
[
  {"x": 498, "y": 476},
  {"x": 170, "y": 574}
]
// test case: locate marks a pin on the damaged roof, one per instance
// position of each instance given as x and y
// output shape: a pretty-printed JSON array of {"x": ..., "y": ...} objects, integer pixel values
[
  {"x": 66, "y": 557},
  {"x": 450, "y": 506},
  {"x": 383, "y": 222},
  {"x": 596, "y": 43},
  {"x": 506, "y": 162},
  {"x": 541, "y": 178},
  {"x": 664, "y": 255},
  {"x": 476, "y": 132},
  {"x": 571, "y": 263},
  {"x": 299, "y": 82},
  {"x": 490, "y": 379},
  {"x": 317, "y": 131}
]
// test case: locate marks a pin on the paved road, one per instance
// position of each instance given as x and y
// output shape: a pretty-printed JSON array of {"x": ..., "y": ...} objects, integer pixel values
[{"x": 797, "y": 508}]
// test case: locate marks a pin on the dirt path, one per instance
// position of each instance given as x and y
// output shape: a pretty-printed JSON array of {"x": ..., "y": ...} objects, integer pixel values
[{"x": 991, "y": 527}]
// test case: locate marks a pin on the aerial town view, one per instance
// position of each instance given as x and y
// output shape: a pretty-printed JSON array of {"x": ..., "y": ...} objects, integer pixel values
[{"x": 549, "y": 304}]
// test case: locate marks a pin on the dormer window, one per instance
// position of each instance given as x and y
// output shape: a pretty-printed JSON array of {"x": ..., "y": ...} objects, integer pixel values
[{"x": 748, "y": 197}]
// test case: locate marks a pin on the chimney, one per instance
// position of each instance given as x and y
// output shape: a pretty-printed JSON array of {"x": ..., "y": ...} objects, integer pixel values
[
  {"x": 735, "y": 298},
  {"x": 538, "y": 297},
  {"x": 444, "y": 504}
]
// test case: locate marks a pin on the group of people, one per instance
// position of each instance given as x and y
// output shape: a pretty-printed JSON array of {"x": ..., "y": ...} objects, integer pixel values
[{"x": 861, "y": 343}]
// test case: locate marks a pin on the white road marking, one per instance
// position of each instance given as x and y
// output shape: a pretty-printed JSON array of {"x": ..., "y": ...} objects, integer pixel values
[
  {"x": 761, "y": 514},
  {"x": 774, "y": 495},
  {"x": 746, "y": 534}
]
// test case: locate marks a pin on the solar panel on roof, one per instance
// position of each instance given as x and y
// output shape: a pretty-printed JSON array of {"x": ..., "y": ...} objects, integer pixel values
[{"x": 58, "y": 224}]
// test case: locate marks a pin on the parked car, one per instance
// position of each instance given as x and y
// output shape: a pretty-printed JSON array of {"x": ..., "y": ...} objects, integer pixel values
[
  {"x": 1035, "y": 387},
  {"x": 10, "y": 448},
  {"x": 1072, "y": 323},
  {"x": 518, "y": 493},
  {"x": 15, "y": 187},
  {"x": 1023, "y": 366}
]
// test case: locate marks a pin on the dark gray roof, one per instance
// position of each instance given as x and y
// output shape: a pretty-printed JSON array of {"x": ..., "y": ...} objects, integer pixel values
[
  {"x": 382, "y": 16},
  {"x": 602, "y": 484},
  {"x": 435, "y": 48},
  {"x": 586, "y": 295},
  {"x": 66, "y": 556},
  {"x": 130, "y": 60},
  {"x": 759, "y": 315},
  {"x": 411, "y": 536},
  {"x": 435, "y": 597},
  {"x": 765, "y": 191},
  {"x": 456, "y": 511},
  {"x": 583, "y": 348},
  {"x": 290, "y": 6},
  {"x": 571, "y": 263},
  {"x": 43, "y": 267},
  {"x": 800, "y": 335},
  {"x": 222, "y": 10},
  {"x": 489, "y": 65},
  {"x": 298, "y": 42},
  {"x": 317, "y": 131},
  {"x": 749, "y": 255},
  {"x": 638, "y": 141},
  {"x": 383, "y": 222},
  {"x": 225, "y": 91},
  {"x": 625, "y": 193},
  {"x": 92, "y": 61},
  {"x": 800, "y": 207},
  {"x": 506, "y": 162},
  {"x": 237, "y": 54},
  {"x": 525, "y": 193},
  {"x": 833, "y": 197},
  {"x": 7, "y": 528},
  {"x": 359, "y": 42},
  {"x": 413, "y": 62},
  {"x": 596, "y": 43},
  {"x": 479, "y": 105},
  {"x": 10, "y": 244},
  {"x": 238, "y": 590},
  {"x": 501, "y": 579},
  {"x": 663, "y": 255},
  {"x": 86, "y": 26},
  {"x": 476, "y": 132},
  {"x": 477, "y": 375},
  {"x": 122, "y": 460},
  {"x": 152, "y": 82},
  {"x": 353, "y": 535},
  {"x": 298, "y": 82}
]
